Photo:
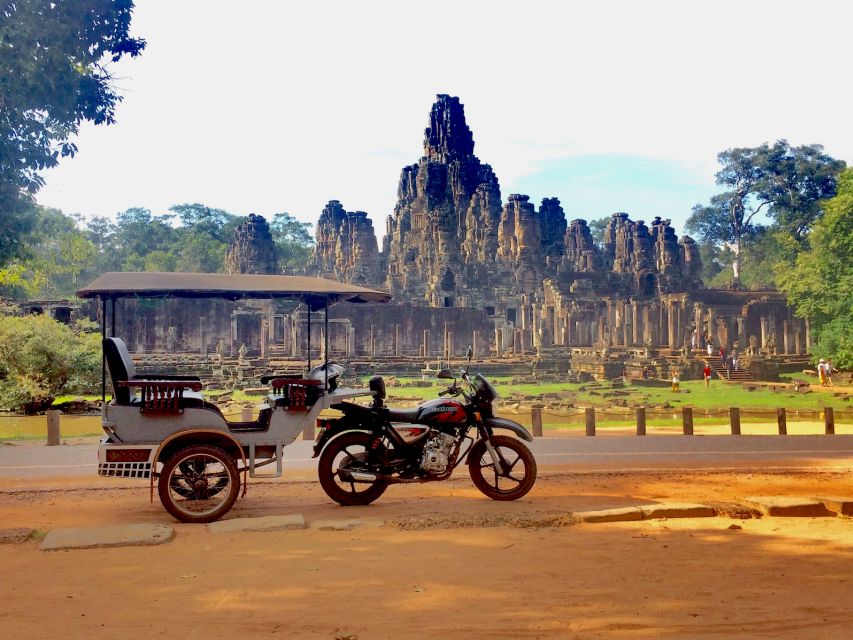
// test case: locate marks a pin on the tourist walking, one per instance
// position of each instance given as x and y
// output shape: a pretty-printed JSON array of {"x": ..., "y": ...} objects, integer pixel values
[
  {"x": 730, "y": 367},
  {"x": 675, "y": 381},
  {"x": 706, "y": 373},
  {"x": 709, "y": 346},
  {"x": 821, "y": 372},
  {"x": 735, "y": 360},
  {"x": 722, "y": 355},
  {"x": 829, "y": 371}
]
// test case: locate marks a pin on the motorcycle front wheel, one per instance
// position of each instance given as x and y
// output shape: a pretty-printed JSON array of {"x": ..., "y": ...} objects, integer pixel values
[
  {"x": 348, "y": 452},
  {"x": 518, "y": 473}
]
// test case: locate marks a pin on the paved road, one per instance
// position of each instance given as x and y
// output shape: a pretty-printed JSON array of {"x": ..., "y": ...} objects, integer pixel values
[{"x": 613, "y": 453}]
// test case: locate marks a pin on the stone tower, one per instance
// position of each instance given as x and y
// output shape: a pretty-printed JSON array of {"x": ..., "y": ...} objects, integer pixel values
[{"x": 252, "y": 249}]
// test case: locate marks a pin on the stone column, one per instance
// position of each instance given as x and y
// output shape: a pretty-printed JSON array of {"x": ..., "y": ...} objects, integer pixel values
[
  {"x": 425, "y": 344},
  {"x": 808, "y": 336},
  {"x": 741, "y": 332},
  {"x": 785, "y": 342},
  {"x": 499, "y": 342},
  {"x": 294, "y": 345},
  {"x": 265, "y": 338},
  {"x": 635, "y": 325},
  {"x": 712, "y": 327},
  {"x": 398, "y": 347},
  {"x": 763, "y": 332},
  {"x": 350, "y": 341},
  {"x": 475, "y": 343},
  {"x": 535, "y": 326},
  {"x": 670, "y": 325},
  {"x": 697, "y": 318},
  {"x": 611, "y": 321},
  {"x": 372, "y": 345},
  {"x": 450, "y": 344}
]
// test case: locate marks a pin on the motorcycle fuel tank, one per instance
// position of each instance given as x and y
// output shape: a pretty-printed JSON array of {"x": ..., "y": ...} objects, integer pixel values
[{"x": 442, "y": 411}]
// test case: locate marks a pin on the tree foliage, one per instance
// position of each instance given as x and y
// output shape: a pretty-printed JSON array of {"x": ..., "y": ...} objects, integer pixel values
[
  {"x": 293, "y": 241},
  {"x": 41, "y": 359},
  {"x": 821, "y": 283},
  {"x": 596, "y": 229},
  {"x": 67, "y": 251},
  {"x": 784, "y": 183},
  {"x": 53, "y": 77}
]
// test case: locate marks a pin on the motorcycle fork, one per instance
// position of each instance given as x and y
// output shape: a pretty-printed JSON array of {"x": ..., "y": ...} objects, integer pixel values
[{"x": 494, "y": 454}]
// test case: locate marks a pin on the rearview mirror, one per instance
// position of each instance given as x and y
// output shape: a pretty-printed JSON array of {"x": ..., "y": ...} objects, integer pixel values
[{"x": 445, "y": 373}]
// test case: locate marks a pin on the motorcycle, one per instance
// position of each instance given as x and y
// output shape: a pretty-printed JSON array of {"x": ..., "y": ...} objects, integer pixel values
[{"x": 371, "y": 447}]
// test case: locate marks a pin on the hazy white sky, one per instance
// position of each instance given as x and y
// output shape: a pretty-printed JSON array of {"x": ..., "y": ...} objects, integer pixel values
[{"x": 263, "y": 106}]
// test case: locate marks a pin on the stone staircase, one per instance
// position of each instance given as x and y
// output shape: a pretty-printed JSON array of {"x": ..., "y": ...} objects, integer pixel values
[{"x": 739, "y": 375}]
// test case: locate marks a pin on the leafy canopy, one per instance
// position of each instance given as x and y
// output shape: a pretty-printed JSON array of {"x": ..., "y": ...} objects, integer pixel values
[
  {"x": 53, "y": 76},
  {"x": 41, "y": 359},
  {"x": 785, "y": 183},
  {"x": 821, "y": 283}
]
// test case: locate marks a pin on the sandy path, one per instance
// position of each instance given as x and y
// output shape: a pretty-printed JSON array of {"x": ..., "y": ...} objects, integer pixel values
[{"x": 772, "y": 578}]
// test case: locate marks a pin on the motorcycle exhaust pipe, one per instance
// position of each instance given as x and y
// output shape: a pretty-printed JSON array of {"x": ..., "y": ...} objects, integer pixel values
[{"x": 362, "y": 476}]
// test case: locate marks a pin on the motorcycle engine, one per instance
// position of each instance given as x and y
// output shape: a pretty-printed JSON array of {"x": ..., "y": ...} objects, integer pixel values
[{"x": 437, "y": 452}]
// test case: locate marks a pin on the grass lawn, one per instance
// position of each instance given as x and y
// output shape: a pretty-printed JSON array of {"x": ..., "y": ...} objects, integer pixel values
[{"x": 757, "y": 406}]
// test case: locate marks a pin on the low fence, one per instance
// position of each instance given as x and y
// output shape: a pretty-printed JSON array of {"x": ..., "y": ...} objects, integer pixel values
[{"x": 640, "y": 416}]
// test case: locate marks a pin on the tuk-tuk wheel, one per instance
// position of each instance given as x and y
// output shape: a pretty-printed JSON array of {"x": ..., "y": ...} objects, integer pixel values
[{"x": 199, "y": 483}]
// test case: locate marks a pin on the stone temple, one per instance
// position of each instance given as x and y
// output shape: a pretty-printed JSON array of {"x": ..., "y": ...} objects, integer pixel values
[
  {"x": 529, "y": 281},
  {"x": 520, "y": 284}
]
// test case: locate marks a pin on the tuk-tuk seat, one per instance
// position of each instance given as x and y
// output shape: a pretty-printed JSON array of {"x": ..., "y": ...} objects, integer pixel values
[
  {"x": 158, "y": 393},
  {"x": 293, "y": 393}
]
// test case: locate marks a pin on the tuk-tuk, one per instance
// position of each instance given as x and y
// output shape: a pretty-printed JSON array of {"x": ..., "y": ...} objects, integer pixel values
[{"x": 160, "y": 426}]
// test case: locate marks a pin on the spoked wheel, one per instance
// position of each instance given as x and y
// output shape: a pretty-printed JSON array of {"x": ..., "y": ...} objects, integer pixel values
[
  {"x": 516, "y": 475},
  {"x": 199, "y": 483},
  {"x": 188, "y": 470},
  {"x": 348, "y": 452}
]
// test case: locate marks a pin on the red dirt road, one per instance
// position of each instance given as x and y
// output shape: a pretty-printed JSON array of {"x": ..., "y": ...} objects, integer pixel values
[{"x": 435, "y": 578}]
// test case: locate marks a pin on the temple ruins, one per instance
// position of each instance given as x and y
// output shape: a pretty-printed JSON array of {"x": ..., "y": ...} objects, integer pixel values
[{"x": 521, "y": 284}]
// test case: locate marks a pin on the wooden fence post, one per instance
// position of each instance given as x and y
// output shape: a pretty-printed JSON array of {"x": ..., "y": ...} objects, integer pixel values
[
  {"x": 52, "y": 427},
  {"x": 536, "y": 421},
  {"x": 734, "y": 418},
  {"x": 687, "y": 420},
  {"x": 589, "y": 414},
  {"x": 641, "y": 421},
  {"x": 828, "y": 421},
  {"x": 782, "y": 421}
]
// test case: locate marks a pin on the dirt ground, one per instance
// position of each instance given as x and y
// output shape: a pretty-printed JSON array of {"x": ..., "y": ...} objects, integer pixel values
[{"x": 436, "y": 571}]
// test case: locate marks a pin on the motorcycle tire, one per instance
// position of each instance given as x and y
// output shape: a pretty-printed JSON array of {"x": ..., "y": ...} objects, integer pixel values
[
  {"x": 355, "y": 446},
  {"x": 488, "y": 480}
]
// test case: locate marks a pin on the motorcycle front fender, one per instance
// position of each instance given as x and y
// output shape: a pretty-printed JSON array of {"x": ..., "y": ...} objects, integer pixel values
[{"x": 508, "y": 425}]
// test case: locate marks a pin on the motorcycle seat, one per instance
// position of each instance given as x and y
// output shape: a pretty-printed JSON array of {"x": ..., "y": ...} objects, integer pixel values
[{"x": 404, "y": 415}]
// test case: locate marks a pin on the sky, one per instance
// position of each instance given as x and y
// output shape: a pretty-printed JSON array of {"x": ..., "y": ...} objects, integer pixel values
[{"x": 260, "y": 106}]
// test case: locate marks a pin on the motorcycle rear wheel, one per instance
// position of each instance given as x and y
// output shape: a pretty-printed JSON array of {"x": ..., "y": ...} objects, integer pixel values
[
  {"x": 348, "y": 451},
  {"x": 519, "y": 478}
]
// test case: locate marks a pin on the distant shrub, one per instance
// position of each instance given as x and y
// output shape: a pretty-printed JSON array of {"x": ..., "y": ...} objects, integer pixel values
[{"x": 41, "y": 359}]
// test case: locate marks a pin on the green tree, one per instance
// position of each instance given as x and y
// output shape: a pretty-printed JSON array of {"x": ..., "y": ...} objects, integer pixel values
[
  {"x": 596, "y": 228},
  {"x": 821, "y": 283},
  {"x": 54, "y": 75},
  {"x": 41, "y": 359},
  {"x": 292, "y": 239},
  {"x": 137, "y": 233},
  {"x": 786, "y": 184}
]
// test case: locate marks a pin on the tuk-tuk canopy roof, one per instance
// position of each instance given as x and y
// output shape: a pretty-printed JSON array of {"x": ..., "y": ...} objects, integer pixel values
[{"x": 316, "y": 292}]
